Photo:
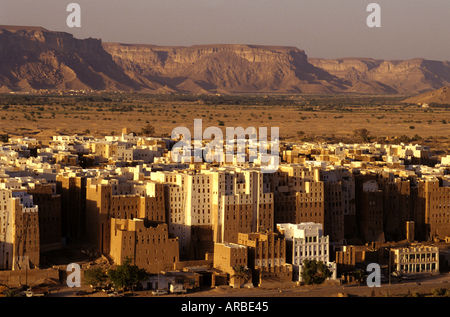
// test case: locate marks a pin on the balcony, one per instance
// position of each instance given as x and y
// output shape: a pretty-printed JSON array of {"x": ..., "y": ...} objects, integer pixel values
[{"x": 422, "y": 260}]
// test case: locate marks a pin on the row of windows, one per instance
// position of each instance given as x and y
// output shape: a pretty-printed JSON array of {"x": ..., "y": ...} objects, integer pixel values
[
  {"x": 440, "y": 215},
  {"x": 421, "y": 256},
  {"x": 311, "y": 214},
  {"x": 316, "y": 204},
  {"x": 418, "y": 267},
  {"x": 200, "y": 221},
  {"x": 198, "y": 180},
  {"x": 310, "y": 253}
]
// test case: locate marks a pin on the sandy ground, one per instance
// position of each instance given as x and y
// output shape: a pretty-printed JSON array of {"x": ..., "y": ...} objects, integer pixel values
[
  {"x": 423, "y": 286},
  {"x": 165, "y": 116}
]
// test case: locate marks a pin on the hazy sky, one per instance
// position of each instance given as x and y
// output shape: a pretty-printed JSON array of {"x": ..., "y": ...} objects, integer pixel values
[{"x": 323, "y": 28}]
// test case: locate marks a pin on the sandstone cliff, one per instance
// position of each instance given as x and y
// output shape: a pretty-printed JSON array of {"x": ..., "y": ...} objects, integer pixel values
[
  {"x": 378, "y": 76},
  {"x": 224, "y": 68},
  {"x": 35, "y": 58}
]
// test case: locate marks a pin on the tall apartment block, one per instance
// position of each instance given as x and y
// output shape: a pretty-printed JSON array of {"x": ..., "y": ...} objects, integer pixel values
[
  {"x": 71, "y": 186},
  {"x": 397, "y": 204},
  {"x": 242, "y": 203},
  {"x": 339, "y": 222},
  {"x": 189, "y": 210},
  {"x": 19, "y": 230},
  {"x": 305, "y": 186},
  {"x": 266, "y": 257},
  {"x": 369, "y": 210},
  {"x": 44, "y": 196},
  {"x": 436, "y": 196},
  {"x": 110, "y": 198},
  {"x": 227, "y": 256},
  {"x": 146, "y": 243},
  {"x": 306, "y": 241},
  {"x": 212, "y": 206}
]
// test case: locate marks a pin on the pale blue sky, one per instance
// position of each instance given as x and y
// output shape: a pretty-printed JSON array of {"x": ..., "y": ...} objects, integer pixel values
[{"x": 323, "y": 28}]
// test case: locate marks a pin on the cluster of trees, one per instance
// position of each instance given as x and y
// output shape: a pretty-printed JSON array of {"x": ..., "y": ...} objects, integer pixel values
[
  {"x": 4, "y": 138},
  {"x": 359, "y": 135},
  {"x": 344, "y": 102},
  {"x": 148, "y": 130},
  {"x": 439, "y": 105},
  {"x": 93, "y": 99},
  {"x": 123, "y": 277},
  {"x": 250, "y": 100},
  {"x": 9, "y": 100},
  {"x": 363, "y": 135},
  {"x": 128, "y": 275},
  {"x": 120, "y": 108},
  {"x": 315, "y": 272}
]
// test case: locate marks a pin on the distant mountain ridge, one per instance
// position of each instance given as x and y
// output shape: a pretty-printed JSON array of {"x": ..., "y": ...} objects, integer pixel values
[
  {"x": 36, "y": 58},
  {"x": 379, "y": 76},
  {"x": 224, "y": 68}
]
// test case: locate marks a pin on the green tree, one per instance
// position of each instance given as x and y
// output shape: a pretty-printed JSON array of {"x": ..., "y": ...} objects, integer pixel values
[
  {"x": 436, "y": 292},
  {"x": 314, "y": 272},
  {"x": 4, "y": 138},
  {"x": 416, "y": 138},
  {"x": 10, "y": 293},
  {"x": 148, "y": 130},
  {"x": 300, "y": 134},
  {"x": 240, "y": 273},
  {"x": 94, "y": 276},
  {"x": 362, "y": 134},
  {"x": 359, "y": 275},
  {"x": 404, "y": 139},
  {"x": 127, "y": 275}
]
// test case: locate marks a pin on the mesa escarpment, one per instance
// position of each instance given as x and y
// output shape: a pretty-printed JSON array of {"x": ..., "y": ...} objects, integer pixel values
[
  {"x": 223, "y": 68},
  {"x": 36, "y": 58},
  {"x": 404, "y": 77}
]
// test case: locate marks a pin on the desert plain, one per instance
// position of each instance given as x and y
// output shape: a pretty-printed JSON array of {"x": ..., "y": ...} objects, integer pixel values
[{"x": 319, "y": 118}]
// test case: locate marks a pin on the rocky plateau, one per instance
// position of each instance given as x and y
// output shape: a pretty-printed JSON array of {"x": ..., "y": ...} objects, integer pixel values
[{"x": 33, "y": 58}]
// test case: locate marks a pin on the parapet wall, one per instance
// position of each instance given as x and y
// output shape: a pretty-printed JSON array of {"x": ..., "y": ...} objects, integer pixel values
[{"x": 16, "y": 278}]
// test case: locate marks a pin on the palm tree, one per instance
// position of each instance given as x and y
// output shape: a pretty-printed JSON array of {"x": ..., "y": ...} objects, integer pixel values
[
  {"x": 359, "y": 275},
  {"x": 10, "y": 293},
  {"x": 240, "y": 272}
]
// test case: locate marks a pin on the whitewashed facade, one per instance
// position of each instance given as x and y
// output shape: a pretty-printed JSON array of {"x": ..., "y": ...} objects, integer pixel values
[
  {"x": 307, "y": 242},
  {"x": 416, "y": 260}
]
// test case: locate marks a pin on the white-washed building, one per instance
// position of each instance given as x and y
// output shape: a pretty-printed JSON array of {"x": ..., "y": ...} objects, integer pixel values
[
  {"x": 416, "y": 260},
  {"x": 306, "y": 241}
]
